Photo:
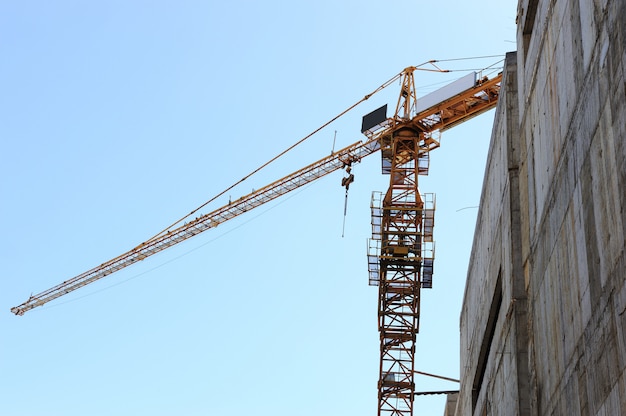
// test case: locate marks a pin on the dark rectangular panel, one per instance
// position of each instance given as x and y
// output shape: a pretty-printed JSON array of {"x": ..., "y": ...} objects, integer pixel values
[{"x": 374, "y": 118}]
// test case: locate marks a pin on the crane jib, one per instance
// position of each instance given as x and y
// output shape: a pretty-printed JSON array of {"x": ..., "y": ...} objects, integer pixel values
[{"x": 337, "y": 160}]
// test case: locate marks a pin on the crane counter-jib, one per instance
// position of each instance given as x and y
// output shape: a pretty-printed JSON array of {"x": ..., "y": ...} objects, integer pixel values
[{"x": 337, "y": 160}]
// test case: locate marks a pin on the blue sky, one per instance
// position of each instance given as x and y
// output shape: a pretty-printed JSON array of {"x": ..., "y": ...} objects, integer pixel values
[{"x": 119, "y": 117}]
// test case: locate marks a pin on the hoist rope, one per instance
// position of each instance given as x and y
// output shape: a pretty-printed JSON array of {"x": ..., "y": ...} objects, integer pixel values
[
  {"x": 345, "y": 212},
  {"x": 365, "y": 98},
  {"x": 469, "y": 69},
  {"x": 467, "y": 59}
]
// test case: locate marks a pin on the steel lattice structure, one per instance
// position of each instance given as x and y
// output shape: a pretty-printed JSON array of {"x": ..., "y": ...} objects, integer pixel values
[
  {"x": 402, "y": 260},
  {"x": 401, "y": 252}
]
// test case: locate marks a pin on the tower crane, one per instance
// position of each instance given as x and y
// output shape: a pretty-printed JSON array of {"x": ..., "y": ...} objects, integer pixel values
[{"x": 401, "y": 250}]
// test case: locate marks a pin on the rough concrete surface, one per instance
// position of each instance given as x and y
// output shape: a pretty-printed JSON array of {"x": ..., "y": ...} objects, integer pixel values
[{"x": 543, "y": 324}]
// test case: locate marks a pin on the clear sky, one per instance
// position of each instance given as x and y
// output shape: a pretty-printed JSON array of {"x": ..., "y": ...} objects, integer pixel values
[{"x": 119, "y": 117}]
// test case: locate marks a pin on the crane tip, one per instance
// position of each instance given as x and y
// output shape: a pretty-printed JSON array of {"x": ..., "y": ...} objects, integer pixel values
[{"x": 17, "y": 311}]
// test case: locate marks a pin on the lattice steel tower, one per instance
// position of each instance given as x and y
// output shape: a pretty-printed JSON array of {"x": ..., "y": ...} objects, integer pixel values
[{"x": 401, "y": 251}]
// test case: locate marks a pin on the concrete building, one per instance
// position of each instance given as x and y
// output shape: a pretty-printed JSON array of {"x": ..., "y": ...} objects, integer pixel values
[{"x": 543, "y": 323}]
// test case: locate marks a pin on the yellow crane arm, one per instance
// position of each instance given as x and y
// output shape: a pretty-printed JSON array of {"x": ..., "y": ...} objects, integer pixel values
[
  {"x": 337, "y": 160},
  {"x": 438, "y": 113}
]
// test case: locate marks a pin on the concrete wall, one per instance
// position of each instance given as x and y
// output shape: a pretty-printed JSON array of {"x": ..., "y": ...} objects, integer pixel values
[{"x": 543, "y": 324}]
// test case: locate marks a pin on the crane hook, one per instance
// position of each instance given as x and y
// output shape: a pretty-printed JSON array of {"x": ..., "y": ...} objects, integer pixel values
[{"x": 345, "y": 182}]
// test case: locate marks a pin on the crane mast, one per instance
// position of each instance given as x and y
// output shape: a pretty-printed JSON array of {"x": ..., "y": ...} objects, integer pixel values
[{"x": 401, "y": 250}]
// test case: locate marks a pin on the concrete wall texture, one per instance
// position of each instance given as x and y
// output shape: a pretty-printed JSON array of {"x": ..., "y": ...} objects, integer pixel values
[{"x": 543, "y": 323}]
